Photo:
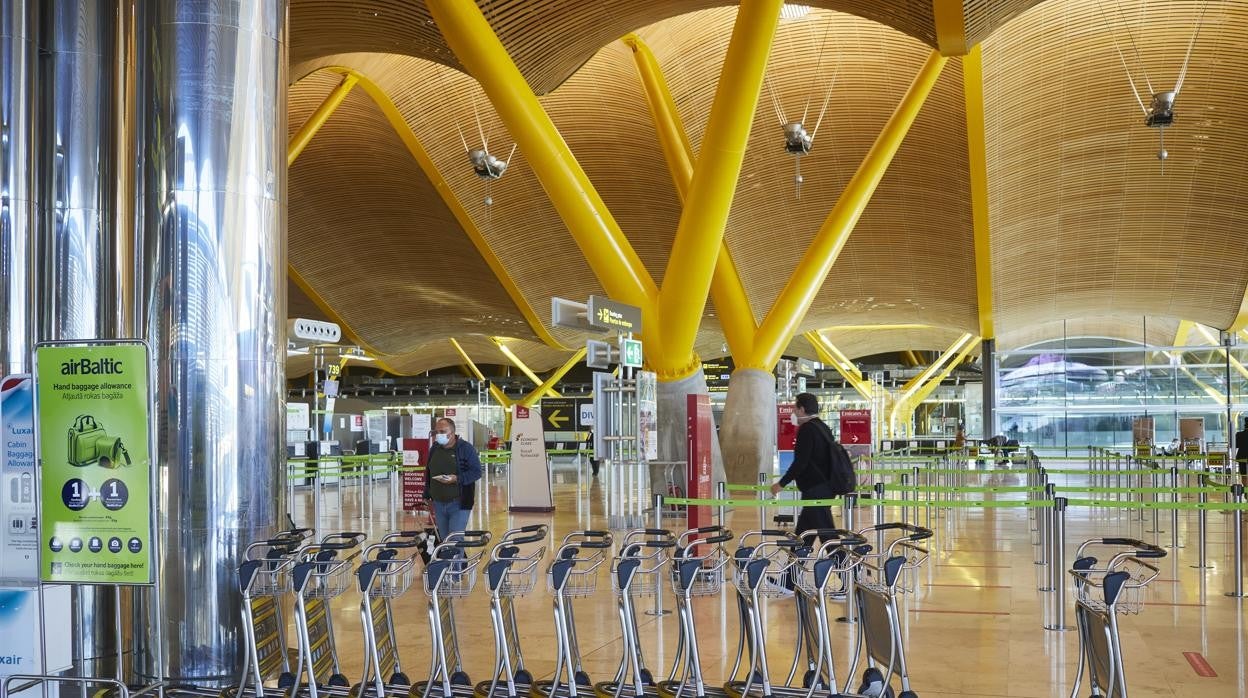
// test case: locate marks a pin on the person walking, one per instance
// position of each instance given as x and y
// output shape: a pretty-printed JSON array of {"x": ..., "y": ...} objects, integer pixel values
[
  {"x": 1241, "y": 449},
  {"x": 821, "y": 467},
  {"x": 451, "y": 478}
]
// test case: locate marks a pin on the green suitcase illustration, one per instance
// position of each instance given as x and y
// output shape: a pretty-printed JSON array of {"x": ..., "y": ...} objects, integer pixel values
[{"x": 89, "y": 443}]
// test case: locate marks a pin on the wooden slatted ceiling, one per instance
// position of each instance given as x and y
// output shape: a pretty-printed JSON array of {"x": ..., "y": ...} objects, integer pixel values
[
  {"x": 921, "y": 210},
  {"x": 440, "y": 353},
  {"x": 1084, "y": 222},
  {"x": 982, "y": 17},
  {"x": 1156, "y": 331},
  {"x": 855, "y": 343},
  {"x": 369, "y": 233},
  {"x": 550, "y": 39}
]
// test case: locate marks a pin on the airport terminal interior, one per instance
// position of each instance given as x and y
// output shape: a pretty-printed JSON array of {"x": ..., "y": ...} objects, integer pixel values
[{"x": 623, "y": 348}]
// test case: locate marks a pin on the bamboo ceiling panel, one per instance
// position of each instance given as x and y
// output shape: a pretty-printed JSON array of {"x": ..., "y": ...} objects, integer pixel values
[
  {"x": 369, "y": 233},
  {"x": 982, "y": 17},
  {"x": 440, "y": 353},
  {"x": 549, "y": 39},
  {"x": 910, "y": 258},
  {"x": 857, "y": 343},
  {"x": 1155, "y": 331},
  {"x": 1083, "y": 220}
]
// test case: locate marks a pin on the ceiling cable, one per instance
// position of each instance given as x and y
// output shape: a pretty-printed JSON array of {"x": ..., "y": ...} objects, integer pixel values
[
  {"x": 1122, "y": 59},
  {"x": 1200, "y": 20}
]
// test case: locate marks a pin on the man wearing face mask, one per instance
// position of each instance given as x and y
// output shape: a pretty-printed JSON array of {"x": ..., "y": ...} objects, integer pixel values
[
  {"x": 450, "y": 478},
  {"x": 819, "y": 465}
]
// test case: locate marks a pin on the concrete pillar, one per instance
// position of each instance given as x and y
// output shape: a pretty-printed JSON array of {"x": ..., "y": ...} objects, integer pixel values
[
  {"x": 748, "y": 436},
  {"x": 673, "y": 426}
]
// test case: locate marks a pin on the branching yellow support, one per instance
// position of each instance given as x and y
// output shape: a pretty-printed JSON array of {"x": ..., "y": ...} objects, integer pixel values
[
  {"x": 495, "y": 391},
  {"x": 911, "y": 387},
  {"x": 790, "y": 307},
  {"x": 950, "y": 23},
  {"x": 828, "y": 354},
  {"x": 515, "y": 360},
  {"x": 533, "y": 397},
  {"x": 314, "y": 123},
  {"x": 977, "y": 155}
]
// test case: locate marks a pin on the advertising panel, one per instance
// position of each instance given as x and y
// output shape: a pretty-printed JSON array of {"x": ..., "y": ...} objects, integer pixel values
[
  {"x": 586, "y": 410},
  {"x": 19, "y": 539},
  {"x": 786, "y": 431},
  {"x": 92, "y": 410},
  {"x": 701, "y": 429},
  {"x": 20, "y": 628},
  {"x": 528, "y": 477},
  {"x": 648, "y": 413},
  {"x": 415, "y": 453}
]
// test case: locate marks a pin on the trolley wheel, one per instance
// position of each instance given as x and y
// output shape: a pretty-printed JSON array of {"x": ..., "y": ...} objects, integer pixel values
[
  {"x": 908, "y": 694},
  {"x": 356, "y": 691},
  {"x": 286, "y": 680},
  {"x": 646, "y": 677},
  {"x": 523, "y": 676},
  {"x": 460, "y": 678},
  {"x": 338, "y": 681},
  {"x": 582, "y": 679},
  {"x": 400, "y": 679},
  {"x": 228, "y": 692},
  {"x": 872, "y": 683}
]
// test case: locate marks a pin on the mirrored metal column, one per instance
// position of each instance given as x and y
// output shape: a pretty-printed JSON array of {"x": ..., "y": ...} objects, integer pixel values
[
  {"x": 212, "y": 96},
  {"x": 75, "y": 295},
  {"x": 17, "y": 168}
]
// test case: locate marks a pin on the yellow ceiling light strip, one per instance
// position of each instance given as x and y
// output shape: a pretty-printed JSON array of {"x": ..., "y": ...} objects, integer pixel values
[
  {"x": 515, "y": 360},
  {"x": 977, "y": 154},
  {"x": 950, "y": 27},
  {"x": 412, "y": 143}
]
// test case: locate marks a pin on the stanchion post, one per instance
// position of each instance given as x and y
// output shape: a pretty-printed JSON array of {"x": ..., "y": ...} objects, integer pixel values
[
  {"x": 762, "y": 494},
  {"x": 658, "y": 526},
  {"x": 1174, "y": 513},
  {"x": 1237, "y": 528},
  {"x": 905, "y": 497},
  {"x": 721, "y": 493},
  {"x": 847, "y": 515},
  {"x": 1057, "y": 566},
  {"x": 1202, "y": 526}
]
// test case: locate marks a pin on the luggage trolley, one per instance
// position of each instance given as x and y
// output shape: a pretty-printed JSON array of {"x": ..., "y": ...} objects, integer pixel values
[
  {"x": 760, "y": 571},
  {"x": 636, "y": 571},
  {"x": 818, "y": 573},
  {"x": 318, "y": 575},
  {"x": 572, "y": 574},
  {"x": 1101, "y": 595},
  {"x": 698, "y": 563},
  {"x": 511, "y": 573},
  {"x": 385, "y": 574},
  {"x": 881, "y": 575},
  {"x": 451, "y": 574},
  {"x": 263, "y": 578}
]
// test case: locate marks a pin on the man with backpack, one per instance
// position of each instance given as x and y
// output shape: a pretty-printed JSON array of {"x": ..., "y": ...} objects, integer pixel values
[{"x": 821, "y": 466}]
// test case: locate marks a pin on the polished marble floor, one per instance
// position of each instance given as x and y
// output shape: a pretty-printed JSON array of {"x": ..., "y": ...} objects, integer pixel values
[{"x": 974, "y": 627}]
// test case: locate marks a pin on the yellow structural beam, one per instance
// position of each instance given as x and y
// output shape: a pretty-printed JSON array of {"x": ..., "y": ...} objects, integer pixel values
[
  {"x": 790, "y": 307},
  {"x": 608, "y": 252},
  {"x": 495, "y": 391},
  {"x": 930, "y": 386},
  {"x": 675, "y": 314},
  {"x": 558, "y": 374},
  {"x": 1241, "y": 318},
  {"x": 950, "y": 27},
  {"x": 736, "y": 317},
  {"x": 977, "y": 154},
  {"x": 515, "y": 360},
  {"x": 1235, "y": 363},
  {"x": 396, "y": 120},
  {"x": 314, "y": 123},
  {"x": 910, "y": 358},
  {"x": 920, "y": 380},
  {"x": 687, "y": 279},
  {"x": 830, "y": 355}
]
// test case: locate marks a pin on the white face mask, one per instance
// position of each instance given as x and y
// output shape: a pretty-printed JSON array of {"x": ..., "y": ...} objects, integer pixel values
[
  {"x": 793, "y": 418},
  {"x": 442, "y": 439}
]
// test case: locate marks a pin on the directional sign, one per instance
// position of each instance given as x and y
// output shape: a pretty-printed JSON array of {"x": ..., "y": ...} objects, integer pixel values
[
  {"x": 611, "y": 315},
  {"x": 559, "y": 414},
  {"x": 855, "y": 427},
  {"x": 630, "y": 353}
]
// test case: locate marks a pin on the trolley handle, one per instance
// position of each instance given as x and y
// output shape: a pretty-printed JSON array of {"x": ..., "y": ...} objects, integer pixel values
[
  {"x": 470, "y": 539},
  {"x": 1142, "y": 549},
  {"x": 593, "y": 539},
  {"x": 917, "y": 533},
  {"x": 692, "y": 537},
  {"x": 343, "y": 540},
  {"x": 835, "y": 537}
]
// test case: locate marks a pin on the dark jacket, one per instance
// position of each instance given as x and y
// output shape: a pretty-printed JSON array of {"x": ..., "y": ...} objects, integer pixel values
[
  {"x": 1241, "y": 445},
  {"x": 469, "y": 472},
  {"x": 812, "y": 456}
]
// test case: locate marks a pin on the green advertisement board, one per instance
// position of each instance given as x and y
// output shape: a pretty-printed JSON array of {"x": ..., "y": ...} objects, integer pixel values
[{"x": 92, "y": 420}]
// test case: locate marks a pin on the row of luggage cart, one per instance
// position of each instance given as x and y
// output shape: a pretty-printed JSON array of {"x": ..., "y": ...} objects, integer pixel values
[{"x": 868, "y": 570}]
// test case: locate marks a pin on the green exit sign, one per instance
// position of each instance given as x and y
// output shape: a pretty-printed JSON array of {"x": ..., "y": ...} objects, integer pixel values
[{"x": 630, "y": 353}]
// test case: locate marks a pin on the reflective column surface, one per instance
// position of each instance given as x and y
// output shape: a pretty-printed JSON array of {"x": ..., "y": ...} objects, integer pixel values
[
  {"x": 212, "y": 90},
  {"x": 75, "y": 249},
  {"x": 17, "y": 208}
]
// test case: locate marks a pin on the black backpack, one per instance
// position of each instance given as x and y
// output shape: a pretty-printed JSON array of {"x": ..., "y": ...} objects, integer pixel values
[{"x": 840, "y": 475}]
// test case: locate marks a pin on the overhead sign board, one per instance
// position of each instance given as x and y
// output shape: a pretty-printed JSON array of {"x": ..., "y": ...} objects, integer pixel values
[
  {"x": 92, "y": 409},
  {"x": 559, "y": 414},
  {"x": 630, "y": 353},
  {"x": 611, "y": 315}
]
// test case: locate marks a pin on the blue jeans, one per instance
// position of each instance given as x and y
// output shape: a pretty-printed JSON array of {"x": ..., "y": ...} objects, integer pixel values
[{"x": 450, "y": 517}]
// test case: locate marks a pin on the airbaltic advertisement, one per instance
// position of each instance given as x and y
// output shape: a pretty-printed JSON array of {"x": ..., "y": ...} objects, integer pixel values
[{"x": 92, "y": 409}]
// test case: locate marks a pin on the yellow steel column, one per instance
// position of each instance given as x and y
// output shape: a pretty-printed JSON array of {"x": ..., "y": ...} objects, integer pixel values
[
  {"x": 790, "y": 307},
  {"x": 495, "y": 391},
  {"x": 736, "y": 317},
  {"x": 532, "y": 398},
  {"x": 687, "y": 279},
  {"x": 823, "y": 348},
  {"x": 930, "y": 386},
  {"x": 977, "y": 154},
  {"x": 515, "y": 360},
  {"x": 608, "y": 252},
  {"x": 1235, "y": 363},
  {"x": 314, "y": 123},
  {"x": 918, "y": 381},
  {"x": 950, "y": 27}
]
